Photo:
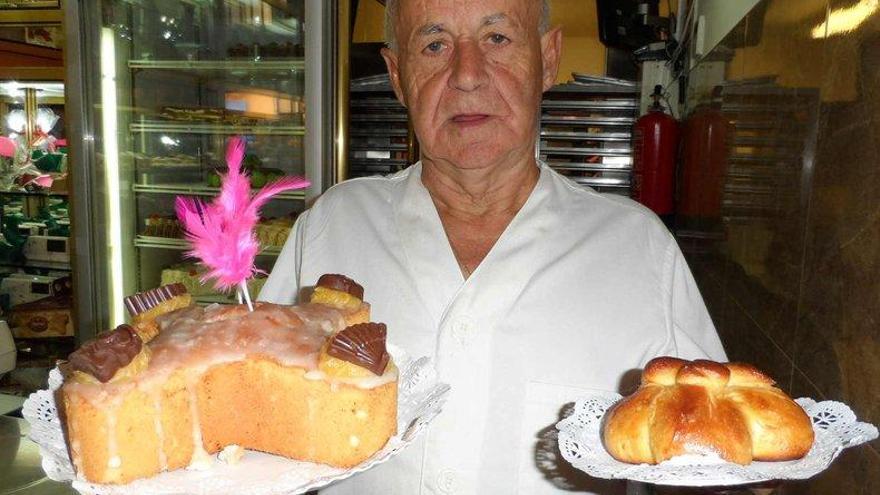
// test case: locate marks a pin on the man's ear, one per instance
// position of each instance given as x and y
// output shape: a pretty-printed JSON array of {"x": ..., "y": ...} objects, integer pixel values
[
  {"x": 390, "y": 57},
  {"x": 551, "y": 52}
]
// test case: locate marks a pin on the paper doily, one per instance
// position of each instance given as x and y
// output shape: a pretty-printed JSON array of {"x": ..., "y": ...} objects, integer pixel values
[
  {"x": 420, "y": 399},
  {"x": 580, "y": 442}
]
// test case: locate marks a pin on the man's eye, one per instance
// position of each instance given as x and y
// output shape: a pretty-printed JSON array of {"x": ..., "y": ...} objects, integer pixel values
[
  {"x": 498, "y": 39},
  {"x": 434, "y": 47}
]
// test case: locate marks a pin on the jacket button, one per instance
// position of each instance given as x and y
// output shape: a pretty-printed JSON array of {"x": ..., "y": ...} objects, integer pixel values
[
  {"x": 461, "y": 329},
  {"x": 446, "y": 482}
]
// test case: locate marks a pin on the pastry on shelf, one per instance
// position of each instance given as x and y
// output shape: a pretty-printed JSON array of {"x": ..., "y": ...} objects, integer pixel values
[
  {"x": 191, "y": 276},
  {"x": 704, "y": 407},
  {"x": 188, "y": 114},
  {"x": 274, "y": 232},
  {"x": 162, "y": 226},
  {"x": 46, "y": 317}
]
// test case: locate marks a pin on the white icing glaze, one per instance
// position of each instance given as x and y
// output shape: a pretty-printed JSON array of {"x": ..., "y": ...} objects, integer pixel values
[
  {"x": 160, "y": 434},
  {"x": 200, "y": 458},
  {"x": 77, "y": 460},
  {"x": 231, "y": 454},
  {"x": 112, "y": 449}
]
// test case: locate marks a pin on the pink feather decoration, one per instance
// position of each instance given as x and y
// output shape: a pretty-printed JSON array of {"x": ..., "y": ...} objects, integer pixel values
[{"x": 222, "y": 232}]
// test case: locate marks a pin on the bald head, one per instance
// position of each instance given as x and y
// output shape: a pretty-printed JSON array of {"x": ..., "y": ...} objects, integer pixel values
[{"x": 392, "y": 10}]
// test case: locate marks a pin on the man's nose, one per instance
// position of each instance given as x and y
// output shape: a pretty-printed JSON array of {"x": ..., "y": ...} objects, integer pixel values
[{"x": 468, "y": 66}]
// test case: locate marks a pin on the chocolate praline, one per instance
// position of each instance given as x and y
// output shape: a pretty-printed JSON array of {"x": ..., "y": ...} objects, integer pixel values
[
  {"x": 341, "y": 283},
  {"x": 106, "y": 354}
]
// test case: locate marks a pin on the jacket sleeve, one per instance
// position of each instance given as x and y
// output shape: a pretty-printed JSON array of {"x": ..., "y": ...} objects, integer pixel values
[
  {"x": 692, "y": 332},
  {"x": 282, "y": 286}
]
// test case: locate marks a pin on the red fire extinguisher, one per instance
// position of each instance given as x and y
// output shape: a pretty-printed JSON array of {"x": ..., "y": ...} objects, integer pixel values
[
  {"x": 655, "y": 144},
  {"x": 704, "y": 146}
]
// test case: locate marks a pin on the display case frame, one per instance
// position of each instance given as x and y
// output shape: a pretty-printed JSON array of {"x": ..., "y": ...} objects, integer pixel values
[{"x": 108, "y": 238}]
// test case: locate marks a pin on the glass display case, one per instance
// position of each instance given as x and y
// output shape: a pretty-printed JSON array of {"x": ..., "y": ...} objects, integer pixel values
[
  {"x": 173, "y": 80},
  {"x": 35, "y": 268}
]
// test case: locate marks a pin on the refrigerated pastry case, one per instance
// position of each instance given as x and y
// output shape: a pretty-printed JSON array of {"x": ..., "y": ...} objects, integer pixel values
[{"x": 162, "y": 85}]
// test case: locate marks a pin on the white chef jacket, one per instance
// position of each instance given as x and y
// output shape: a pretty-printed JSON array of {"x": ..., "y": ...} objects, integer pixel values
[{"x": 579, "y": 289}]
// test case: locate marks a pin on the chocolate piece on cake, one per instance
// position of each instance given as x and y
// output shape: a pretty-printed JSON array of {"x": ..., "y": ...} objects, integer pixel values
[
  {"x": 145, "y": 301},
  {"x": 341, "y": 283},
  {"x": 362, "y": 344},
  {"x": 107, "y": 354}
]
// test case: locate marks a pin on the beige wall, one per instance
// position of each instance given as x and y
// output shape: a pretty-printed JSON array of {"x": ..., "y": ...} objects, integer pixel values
[{"x": 787, "y": 30}]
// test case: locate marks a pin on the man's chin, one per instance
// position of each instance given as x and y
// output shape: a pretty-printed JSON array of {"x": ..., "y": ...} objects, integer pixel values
[{"x": 479, "y": 157}]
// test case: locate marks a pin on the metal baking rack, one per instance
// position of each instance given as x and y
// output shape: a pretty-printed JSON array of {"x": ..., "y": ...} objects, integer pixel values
[
  {"x": 772, "y": 129},
  {"x": 586, "y": 133},
  {"x": 381, "y": 140}
]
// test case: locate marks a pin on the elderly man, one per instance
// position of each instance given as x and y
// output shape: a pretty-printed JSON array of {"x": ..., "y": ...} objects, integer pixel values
[{"x": 526, "y": 289}]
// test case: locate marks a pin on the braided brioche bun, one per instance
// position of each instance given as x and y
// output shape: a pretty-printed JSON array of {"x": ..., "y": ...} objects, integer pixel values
[{"x": 705, "y": 407}]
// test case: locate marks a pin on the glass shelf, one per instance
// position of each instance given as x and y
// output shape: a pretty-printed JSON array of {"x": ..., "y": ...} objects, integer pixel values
[
  {"x": 198, "y": 190},
  {"x": 47, "y": 194},
  {"x": 215, "y": 299},
  {"x": 144, "y": 241},
  {"x": 209, "y": 128},
  {"x": 221, "y": 65},
  {"x": 217, "y": 70},
  {"x": 39, "y": 265}
]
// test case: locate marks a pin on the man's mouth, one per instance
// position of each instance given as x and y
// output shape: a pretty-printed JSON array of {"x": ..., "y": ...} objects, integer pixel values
[{"x": 470, "y": 118}]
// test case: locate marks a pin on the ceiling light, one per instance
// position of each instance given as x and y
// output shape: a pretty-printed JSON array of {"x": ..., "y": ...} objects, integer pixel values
[{"x": 846, "y": 19}]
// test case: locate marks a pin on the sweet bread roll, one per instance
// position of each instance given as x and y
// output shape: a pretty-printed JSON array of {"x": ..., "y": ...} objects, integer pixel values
[{"x": 704, "y": 407}]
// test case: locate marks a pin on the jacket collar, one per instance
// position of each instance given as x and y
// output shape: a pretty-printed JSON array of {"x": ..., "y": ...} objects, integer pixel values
[{"x": 429, "y": 256}]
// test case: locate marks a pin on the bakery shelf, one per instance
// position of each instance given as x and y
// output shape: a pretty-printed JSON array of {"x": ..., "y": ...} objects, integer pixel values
[
  {"x": 391, "y": 117},
  {"x": 40, "y": 265},
  {"x": 611, "y": 121},
  {"x": 47, "y": 194},
  {"x": 389, "y": 103},
  {"x": 361, "y": 132},
  {"x": 209, "y": 128},
  {"x": 591, "y": 167},
  {"x": 201, "y": 190},
  {"x": 215, "y": 299},
  {"x": 213, "y": 66},
  {"x": 757, "y": 159},
  {"x": 623, "y": 104},
  {"x": 379, "y": 162},
  {"x": 601, "y": 181},
  {"x": 378, "y": 147},
  {"x": 596, "y": 88},
  {"x": 145, "y": 241},
  {"x": 585, "y": 151},
  {"x": 586, "y": 136}
]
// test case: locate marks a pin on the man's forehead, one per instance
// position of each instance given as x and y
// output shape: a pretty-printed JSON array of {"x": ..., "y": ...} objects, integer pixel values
[
  {"x": 432, "y": 27},
  {"x": 429, "y": 15}
]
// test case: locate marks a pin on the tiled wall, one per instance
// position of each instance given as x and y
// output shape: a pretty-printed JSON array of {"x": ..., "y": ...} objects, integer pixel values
[{"x": 790, "y": 265}]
